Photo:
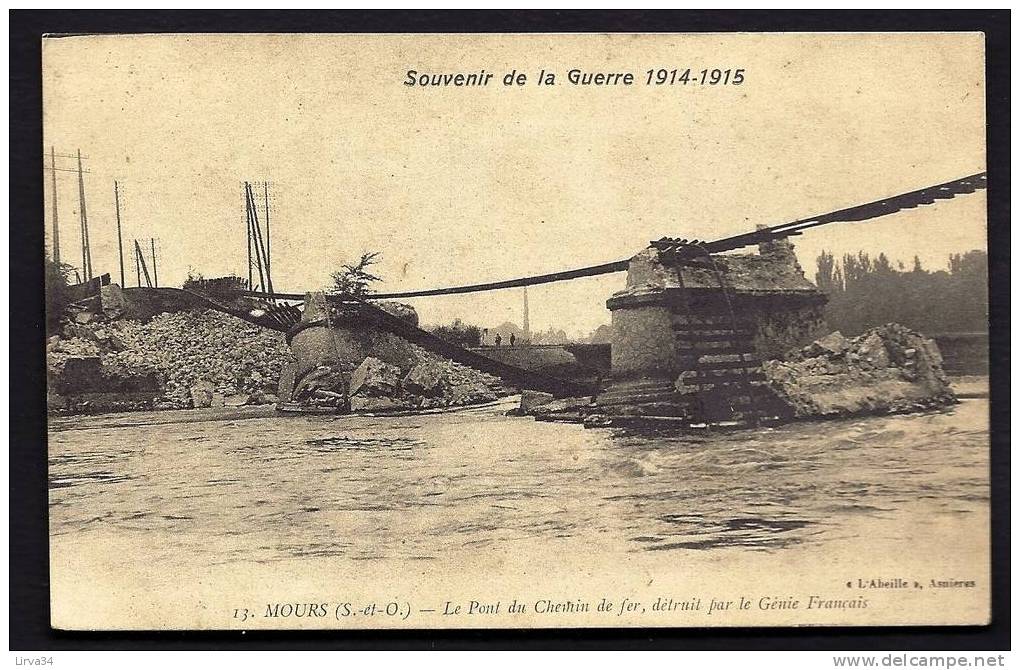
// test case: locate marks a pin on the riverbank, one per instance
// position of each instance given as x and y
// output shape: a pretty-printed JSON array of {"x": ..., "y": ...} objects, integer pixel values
[
  {"x": 967, "y": 387},
  {"x": 233, "y": 414}
]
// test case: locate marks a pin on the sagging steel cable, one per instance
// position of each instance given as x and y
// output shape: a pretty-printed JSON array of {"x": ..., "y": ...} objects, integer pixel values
[{"x": 871, "y": 210}]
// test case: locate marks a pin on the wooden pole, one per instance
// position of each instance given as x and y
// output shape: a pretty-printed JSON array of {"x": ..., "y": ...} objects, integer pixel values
[
  {"x": 81, "y": 227},
  {"x": 145, "y": 268},
  {"x": 138, "y": 268},
  {"x": 155, "y": 276},
  {"x": 120, "y": 242},
  {"x": 256, "y": 235},
  {"x": 247, "y": 230},
  {"x": 269, "y": 254},
  {"x": 265, "y": 249},
  {"x": 527, "y": 319},
  {"x": 56, "y": 228},
  {"x": 86, "y": 250}
]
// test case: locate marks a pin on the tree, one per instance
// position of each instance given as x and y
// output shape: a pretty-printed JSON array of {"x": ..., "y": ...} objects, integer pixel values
[
  {"x": 824, "y": 278},
  {"x": 459, "y": 333},
  {"x": 355, "y": 279},
  {"x": 865, "y": 292}
]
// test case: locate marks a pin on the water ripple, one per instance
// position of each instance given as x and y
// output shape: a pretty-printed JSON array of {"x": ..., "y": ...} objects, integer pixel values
[{"x": 266, "y": 489}]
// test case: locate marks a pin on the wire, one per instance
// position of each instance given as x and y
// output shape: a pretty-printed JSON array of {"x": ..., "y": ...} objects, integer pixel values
[{"x": 877, "y": 208}]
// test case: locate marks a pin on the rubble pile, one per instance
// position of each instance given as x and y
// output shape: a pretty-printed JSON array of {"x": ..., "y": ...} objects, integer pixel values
[
  {"x": 429, "y": 382},
  {"x": 437, "y": 382},
  {"x": 888, "y": 369},
  {"x": 203, "y": 358}
]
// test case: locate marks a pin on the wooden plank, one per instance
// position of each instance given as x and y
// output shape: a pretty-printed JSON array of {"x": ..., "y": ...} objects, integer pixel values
[
  {"x": 724, "y": 377},
  {"x": 730, "y": 336},
  {"x": 711, "y": 327},
  {"x": 715, "y": 349},
  {"x": 728, "y": 365}
]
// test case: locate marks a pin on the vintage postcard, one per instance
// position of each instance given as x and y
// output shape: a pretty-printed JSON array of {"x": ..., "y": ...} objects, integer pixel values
[{"x": 516, "y": 330}]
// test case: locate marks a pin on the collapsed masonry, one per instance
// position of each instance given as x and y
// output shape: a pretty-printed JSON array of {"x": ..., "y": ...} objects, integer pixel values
[
  {"x": 341, "y": 362},
  {"x": 706, "y": 340},
  {"x": 146, "y": 349},
  {"x": 885, "y": 370},
  {"x": 174, "y": 360},
  {"x": 717, "y": 339}
]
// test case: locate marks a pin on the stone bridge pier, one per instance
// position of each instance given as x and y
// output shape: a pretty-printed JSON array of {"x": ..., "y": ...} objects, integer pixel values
[
  {"x": 688, "y": 338},
  {"x": 329, "y": 343}
]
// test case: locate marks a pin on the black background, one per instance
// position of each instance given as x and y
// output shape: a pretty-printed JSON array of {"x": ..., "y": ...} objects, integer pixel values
[{"x": 29, "y": 564}]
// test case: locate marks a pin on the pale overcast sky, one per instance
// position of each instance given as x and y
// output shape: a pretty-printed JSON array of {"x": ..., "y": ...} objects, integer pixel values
[{"x": 463, "y": 185}]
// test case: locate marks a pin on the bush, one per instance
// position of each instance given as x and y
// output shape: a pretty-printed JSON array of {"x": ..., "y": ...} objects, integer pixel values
[{"x": 355, "y": 279}]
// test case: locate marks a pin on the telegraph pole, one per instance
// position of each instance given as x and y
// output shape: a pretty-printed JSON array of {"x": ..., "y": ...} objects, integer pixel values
[
  {"x": 247, "y": 224},
  {"x": 258, "y": 244},
  {"x": 155, "y": 277},
  {"x": 86, "y": 251},
  {"x": 269, "y": 255},
  {"x": 527, "y": 318},
  {"x": 256, "y": 234},
  {"x": 264, "y": 242},
  {"x": 120, "y": 242},
  {"x": 140, "y": 260},
  {"x": 56, "y": 228}
]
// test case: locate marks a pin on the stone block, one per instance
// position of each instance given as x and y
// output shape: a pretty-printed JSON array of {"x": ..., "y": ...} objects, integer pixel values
[
  {"x": 374, "y": 378},
  {"x": 425, "y": 379},
  {"x": 202, "y": 393},
  {"x": 111, "y": 299},
  {"x": 873, "y": 351},
  {"x": 833, "y": 344},
  {"x": 530, "y": 400}
]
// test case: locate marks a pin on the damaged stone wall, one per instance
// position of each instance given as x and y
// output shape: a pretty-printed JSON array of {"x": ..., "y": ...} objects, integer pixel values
[{"x": 780, "y": 330}]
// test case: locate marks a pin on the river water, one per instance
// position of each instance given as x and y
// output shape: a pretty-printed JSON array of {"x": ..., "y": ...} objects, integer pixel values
[{"x": 266, "y": 488}]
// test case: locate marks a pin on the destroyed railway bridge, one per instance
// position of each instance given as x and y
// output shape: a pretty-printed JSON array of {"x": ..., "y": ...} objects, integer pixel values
[{"x": 690, "y": 328}]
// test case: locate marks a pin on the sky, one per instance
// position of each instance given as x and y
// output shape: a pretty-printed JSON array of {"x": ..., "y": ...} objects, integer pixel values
[{"x": 471, "y": 184}]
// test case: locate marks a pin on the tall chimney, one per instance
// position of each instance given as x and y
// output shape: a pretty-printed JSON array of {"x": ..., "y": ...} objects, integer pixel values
[{"x": 527, "y": 321}]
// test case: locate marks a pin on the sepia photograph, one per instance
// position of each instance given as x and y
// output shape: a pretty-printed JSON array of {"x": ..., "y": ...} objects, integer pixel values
[{"x": 507, "y": 330}]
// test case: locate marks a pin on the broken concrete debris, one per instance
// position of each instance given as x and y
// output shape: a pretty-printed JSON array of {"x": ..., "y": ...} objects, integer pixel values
[
  {"x": 376, "y": 386},
  {"x": 425, "y": 380}
]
